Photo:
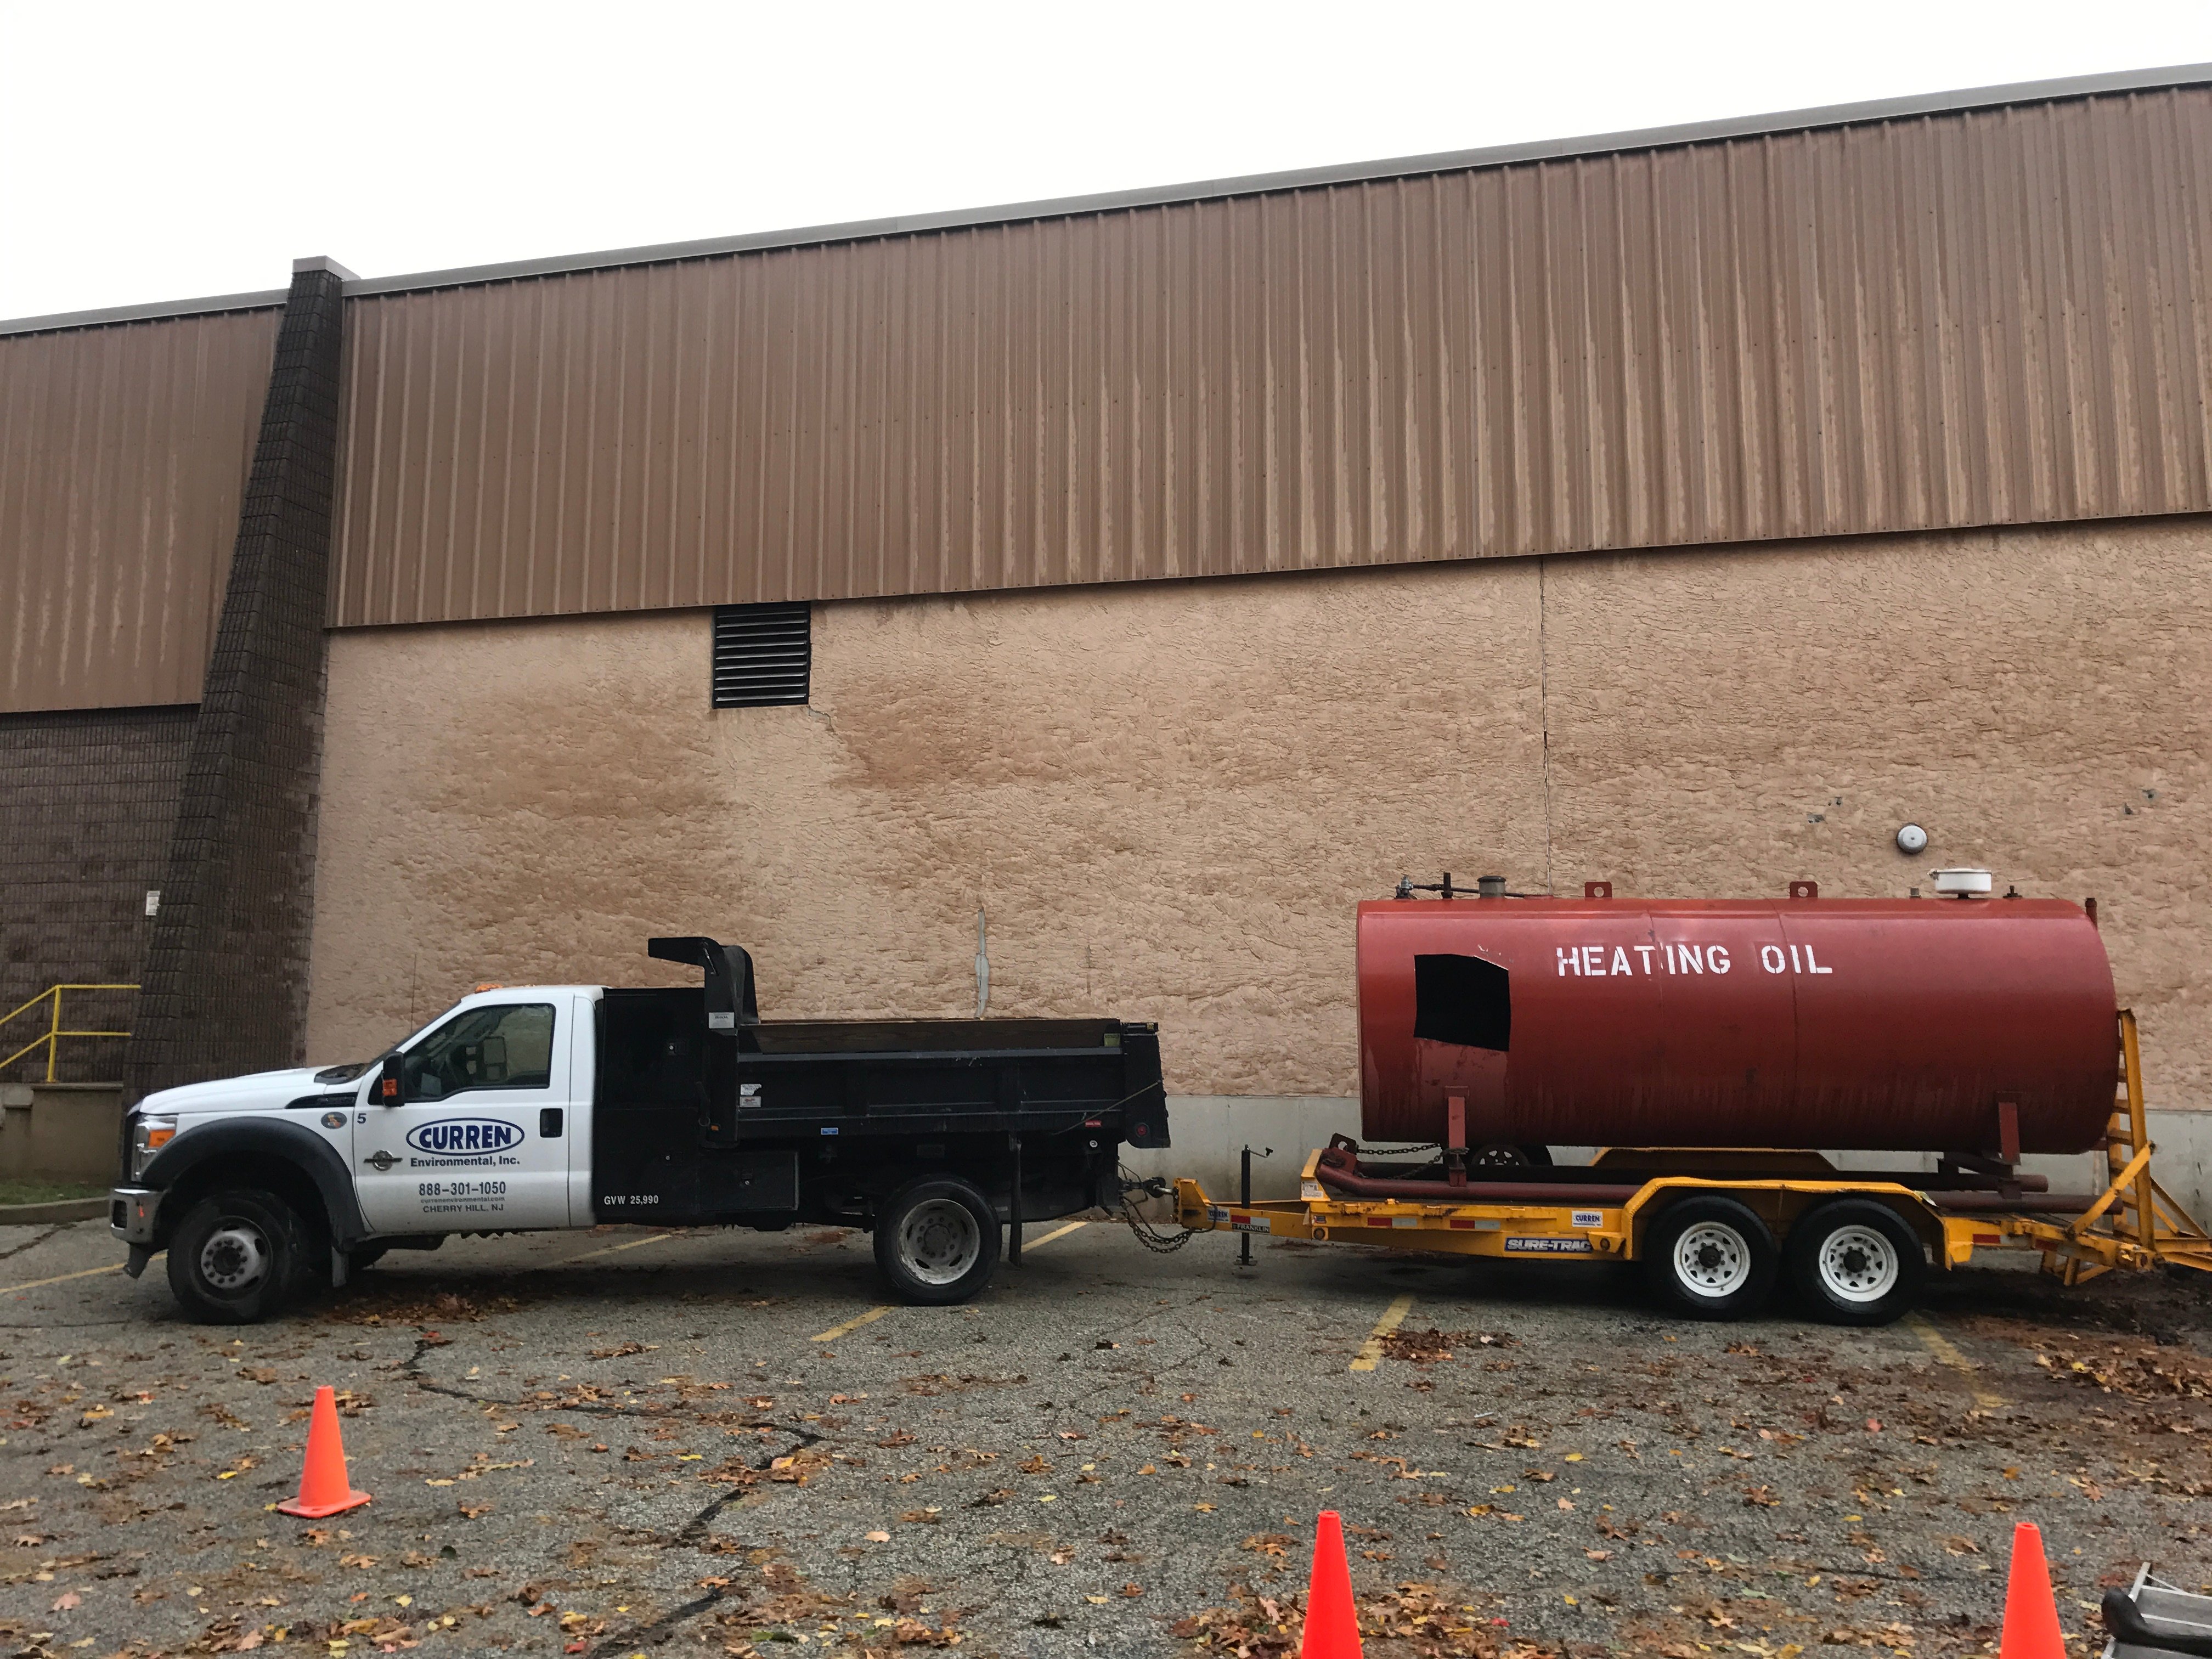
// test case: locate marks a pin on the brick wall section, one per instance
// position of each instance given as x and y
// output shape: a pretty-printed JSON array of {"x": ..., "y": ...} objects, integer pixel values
[
  {"x": 226, "y": 974},
  {"x": 87, "y": 800}
]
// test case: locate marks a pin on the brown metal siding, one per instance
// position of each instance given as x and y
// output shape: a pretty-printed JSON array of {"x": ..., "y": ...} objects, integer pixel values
[
  {"x": 1986, "y": 317},
  {"x": 123, "y": 456}
]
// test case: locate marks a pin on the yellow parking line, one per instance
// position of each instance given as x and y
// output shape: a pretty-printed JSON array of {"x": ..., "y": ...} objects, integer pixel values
[
  {"x": 85, "y": 1272},
  {"x": 627, "y": 1244},
  {"x": 1939, "y": 1345},
  {"x": 60, "y": 1279},
  {"x": 1371, "y": 1351},
  {"x": 874, "y": 1314},
  {"x": 853, "y": 1324}
]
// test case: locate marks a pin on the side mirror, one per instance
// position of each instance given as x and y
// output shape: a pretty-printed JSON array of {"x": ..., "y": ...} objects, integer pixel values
[{"x": 387, "y": 1082}]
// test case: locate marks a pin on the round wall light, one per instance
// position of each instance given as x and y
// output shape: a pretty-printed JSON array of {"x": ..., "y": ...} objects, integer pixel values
[{"x": 1912, "y": 838}]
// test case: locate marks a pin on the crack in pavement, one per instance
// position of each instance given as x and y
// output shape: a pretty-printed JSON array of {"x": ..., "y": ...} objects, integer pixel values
[
  {"x": 31, "y": 1244},
  {"x": 658, "y": 1631}
]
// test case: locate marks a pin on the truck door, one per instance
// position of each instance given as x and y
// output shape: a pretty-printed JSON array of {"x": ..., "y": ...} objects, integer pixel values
[{"x": 480, "y": 1138}]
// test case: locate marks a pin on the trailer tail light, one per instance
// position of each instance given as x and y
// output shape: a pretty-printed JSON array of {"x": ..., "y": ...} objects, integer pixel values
[{"x": 1988, "y": 1238}]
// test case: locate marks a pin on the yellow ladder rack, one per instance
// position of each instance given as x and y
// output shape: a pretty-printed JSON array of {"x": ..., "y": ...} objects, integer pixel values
[{"x": 2135, "y": 1221}]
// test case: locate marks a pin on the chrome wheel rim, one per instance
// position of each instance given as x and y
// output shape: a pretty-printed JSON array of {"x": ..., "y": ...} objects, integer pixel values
[
  {"x": 939, "y": 1242},
  {"x": 1712, "y": 1259},
  {"x": 1858, "y": 1265},
  {"x": 235, "y": 1256}
]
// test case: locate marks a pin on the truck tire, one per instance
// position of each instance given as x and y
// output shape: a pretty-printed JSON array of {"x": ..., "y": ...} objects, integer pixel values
[
  {"x": 1855, "y": 1262},
  {"x": 937, "y": 1241},
  {"x": 1709, "y": 1257},
  {"x": 237, "y": 1257}
]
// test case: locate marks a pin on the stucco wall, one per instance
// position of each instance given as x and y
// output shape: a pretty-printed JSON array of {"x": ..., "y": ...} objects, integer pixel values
[{"x": 1167, "y": 797}]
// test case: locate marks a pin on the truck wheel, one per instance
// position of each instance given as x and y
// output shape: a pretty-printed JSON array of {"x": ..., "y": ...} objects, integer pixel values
[
  {"x": 1855, "y": 1262},
  {"x": 237, "y": 1256},
  {"x": 937, "y": 1241},
  {"x": 1709, "y": 1257}
]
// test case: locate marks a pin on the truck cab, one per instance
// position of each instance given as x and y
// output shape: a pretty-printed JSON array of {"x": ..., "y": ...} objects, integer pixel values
[{"x": 533, "y": 1107}]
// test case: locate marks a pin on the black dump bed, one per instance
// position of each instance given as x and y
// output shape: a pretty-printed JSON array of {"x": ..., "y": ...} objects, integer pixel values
[{"x": 769, "y": 1121}]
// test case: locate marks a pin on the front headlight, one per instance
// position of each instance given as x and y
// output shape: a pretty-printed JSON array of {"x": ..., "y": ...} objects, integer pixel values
[{"x": 148, "y": 1136}]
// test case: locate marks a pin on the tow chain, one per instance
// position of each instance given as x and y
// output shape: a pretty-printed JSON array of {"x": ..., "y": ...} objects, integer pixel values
[{"x": 1151, "y": 1237}]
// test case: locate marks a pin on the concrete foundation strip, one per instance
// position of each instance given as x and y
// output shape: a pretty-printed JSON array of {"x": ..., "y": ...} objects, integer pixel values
[
  {"x": 1371, "y": 1351},
  {"x": 61, "y": 1210}
]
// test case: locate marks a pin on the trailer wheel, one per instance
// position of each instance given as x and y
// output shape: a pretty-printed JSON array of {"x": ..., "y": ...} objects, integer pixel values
[
  {"x": 1855, "y": 1262},
  {"x": 1709, "y": 1257},
  {"x": 937, "y": 1241},
  {"x": 237, "y": 1257}
]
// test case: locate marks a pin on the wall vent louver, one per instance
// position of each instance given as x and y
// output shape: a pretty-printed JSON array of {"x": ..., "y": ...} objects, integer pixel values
[{"x": 763, "y": 654}]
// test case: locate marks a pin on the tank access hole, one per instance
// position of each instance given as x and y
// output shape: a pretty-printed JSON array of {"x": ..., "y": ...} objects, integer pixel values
[
  {"x": 938, "y": 1240},
  {"x": 1857, "y": 1264},
  {"x": 1712, "y": 1259}
]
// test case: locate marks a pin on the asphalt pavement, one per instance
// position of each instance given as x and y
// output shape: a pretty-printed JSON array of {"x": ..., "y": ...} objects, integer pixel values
[{"x": 606, "y": 1443}]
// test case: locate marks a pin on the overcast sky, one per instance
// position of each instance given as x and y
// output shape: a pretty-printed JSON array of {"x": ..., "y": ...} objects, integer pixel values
[{"x": 160, "y": 152}]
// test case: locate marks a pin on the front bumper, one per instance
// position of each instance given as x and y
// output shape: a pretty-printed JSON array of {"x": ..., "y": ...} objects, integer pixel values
[{"x": 133, "y": 1212}]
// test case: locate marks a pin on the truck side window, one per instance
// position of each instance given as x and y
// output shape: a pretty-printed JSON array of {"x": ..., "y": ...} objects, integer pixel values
[{"x": 507, "y": 1046}]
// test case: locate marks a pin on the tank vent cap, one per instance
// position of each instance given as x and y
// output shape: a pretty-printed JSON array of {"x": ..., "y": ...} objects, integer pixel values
[
  {"x": 1963, "y": 884},
  {"x": 1490, "y": 886}
]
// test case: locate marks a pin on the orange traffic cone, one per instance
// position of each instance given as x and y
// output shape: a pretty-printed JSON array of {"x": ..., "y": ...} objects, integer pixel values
[
  {"x": 323, "y": 1489},
  {"x": 2031, "y": 1621},
  {"x": 1332, "y": 1626}
]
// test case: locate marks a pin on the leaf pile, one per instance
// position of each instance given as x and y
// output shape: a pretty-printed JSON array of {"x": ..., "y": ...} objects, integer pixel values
[
  {"x": 1414, "y": 1620},
  {"x": 1429, "y": 1346},
  {"x": 405, "y": 1305},
  {"x": 2140, "y": 1372}
]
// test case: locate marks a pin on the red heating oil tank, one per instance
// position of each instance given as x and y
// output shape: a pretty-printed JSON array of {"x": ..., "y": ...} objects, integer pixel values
[{"x": 1881, "y": 1025}]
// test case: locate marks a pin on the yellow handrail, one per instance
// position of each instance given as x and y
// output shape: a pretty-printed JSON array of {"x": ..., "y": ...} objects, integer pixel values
[{"x": 52, "y": 1036}]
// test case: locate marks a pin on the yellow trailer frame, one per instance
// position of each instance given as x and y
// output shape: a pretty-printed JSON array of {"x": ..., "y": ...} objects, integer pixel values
[{"x": 2134, "y": 1223}]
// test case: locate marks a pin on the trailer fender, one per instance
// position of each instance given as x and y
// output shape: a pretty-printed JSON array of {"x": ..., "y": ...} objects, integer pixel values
[
  {"x": 227, "y": 1143},
  {"x": 1779, "y": 1203}
]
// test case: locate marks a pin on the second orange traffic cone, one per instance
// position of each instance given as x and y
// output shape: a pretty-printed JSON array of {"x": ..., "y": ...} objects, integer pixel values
[
  {"x": 324, "y": 1488},
  {"x": 2031, "y": 1621},
  {"x": 1332, "y": 1623}
]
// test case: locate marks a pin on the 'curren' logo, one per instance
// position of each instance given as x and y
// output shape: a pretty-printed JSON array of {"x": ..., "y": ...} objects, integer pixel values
[{"x": 450, "y": 1135}]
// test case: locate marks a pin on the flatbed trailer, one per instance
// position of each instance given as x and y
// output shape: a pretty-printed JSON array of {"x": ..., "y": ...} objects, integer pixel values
[{"x": 1715, "y": 1237}]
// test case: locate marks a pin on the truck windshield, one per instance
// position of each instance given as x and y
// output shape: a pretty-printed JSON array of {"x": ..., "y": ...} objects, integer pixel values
[{"x": 351, "y": 1070}]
